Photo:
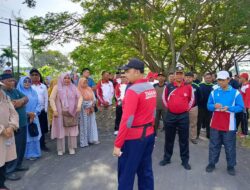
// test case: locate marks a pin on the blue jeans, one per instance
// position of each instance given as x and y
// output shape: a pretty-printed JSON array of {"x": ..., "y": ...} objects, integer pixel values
[
  {"x": 20, "y": 138},
  {"x": 136, "y": 158},
  {"x": 228, "y": 139}
]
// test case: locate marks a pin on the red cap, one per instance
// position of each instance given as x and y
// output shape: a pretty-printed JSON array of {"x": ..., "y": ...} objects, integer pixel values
[
  {"x": 152, "y": 75},
  {"x": 244, "y": 75}
]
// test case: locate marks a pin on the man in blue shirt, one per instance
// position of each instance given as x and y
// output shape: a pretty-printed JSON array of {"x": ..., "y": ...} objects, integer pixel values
[
  {"x": 86, "y": 74},
  {"x": 224, "y": 102}
]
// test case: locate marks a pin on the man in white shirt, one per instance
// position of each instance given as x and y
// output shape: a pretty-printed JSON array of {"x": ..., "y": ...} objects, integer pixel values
[
  {"x": 105, "y": 90},
  {"x": 105, "y": 95},
  {"x": 42, "y": 93}
]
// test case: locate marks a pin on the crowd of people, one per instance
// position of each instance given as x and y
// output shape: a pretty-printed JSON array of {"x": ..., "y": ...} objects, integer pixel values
[{"x": 66, "y": 107}]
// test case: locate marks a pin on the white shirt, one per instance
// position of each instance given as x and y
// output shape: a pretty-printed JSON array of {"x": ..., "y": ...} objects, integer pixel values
[
  {"x": 123, "y": 89},
  {"x": 108, "y": 92},
  {"x": 42, "y": 93}
]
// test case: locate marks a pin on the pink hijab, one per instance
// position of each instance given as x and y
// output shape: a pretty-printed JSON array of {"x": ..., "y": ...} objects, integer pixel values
[{"x": 68, "y": 95}]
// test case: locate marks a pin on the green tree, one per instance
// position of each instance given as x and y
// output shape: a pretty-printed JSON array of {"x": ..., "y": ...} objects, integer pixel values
[
  {"x": 52, "y": 58},
  {"x": 30, "y": 3},
  {"x": 8, "y": 54},
  {"x": 204, "y": 35},
  {"x": 49, "y": 71}
]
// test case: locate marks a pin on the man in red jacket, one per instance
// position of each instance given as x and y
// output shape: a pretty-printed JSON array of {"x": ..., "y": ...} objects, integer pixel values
[
  {"x": 119, "y": 96},
  {"x": 135, "y": 141},
  {"x": 178, "y": 97},
  {"x": 245, "y": 92}
]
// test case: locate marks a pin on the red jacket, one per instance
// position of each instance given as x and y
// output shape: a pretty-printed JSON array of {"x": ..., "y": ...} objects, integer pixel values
[
  {"x": 101, "y": 95},
  {"x": 245, "y": 92},
  {"x": 139, "y": 107},
  {"x": 119, "y": 93},
  {"x": 178, "y": 99}
]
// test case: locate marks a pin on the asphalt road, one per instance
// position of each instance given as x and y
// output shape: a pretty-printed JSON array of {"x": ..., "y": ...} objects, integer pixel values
[{"x": 94, "y": 168}]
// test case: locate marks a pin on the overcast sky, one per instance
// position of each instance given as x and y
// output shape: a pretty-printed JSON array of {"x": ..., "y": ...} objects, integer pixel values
[{"x": 12, "y": 8}]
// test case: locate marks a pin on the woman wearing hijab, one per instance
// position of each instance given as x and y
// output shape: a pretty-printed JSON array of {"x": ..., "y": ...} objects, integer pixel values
[
  {"x": 53, "y": 82},
  {"x": 65, "y": 98},
  {"x": 33, "y": 109},
  {"x": 88, "y": 127},
  {"x": 8, "y": 123}
]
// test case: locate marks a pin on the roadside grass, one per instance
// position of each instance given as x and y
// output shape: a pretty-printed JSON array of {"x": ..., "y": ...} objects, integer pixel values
[{"x": 245, "y": 142}]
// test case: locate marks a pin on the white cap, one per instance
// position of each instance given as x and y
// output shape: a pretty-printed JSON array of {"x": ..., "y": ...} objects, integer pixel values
[
  {"x": 222, "y": 75},
  {"x": 7, "y": 68}
]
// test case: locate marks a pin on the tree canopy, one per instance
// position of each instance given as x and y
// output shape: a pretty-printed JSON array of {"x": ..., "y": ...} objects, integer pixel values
[
  {"x": 52, "y": 58},
  {"x": 7, "y": 53},
  {"x": 202, "y": 35}
]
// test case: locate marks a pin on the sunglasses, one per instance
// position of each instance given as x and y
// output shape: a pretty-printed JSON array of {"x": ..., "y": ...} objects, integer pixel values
[{"x": 27, "y": 81}]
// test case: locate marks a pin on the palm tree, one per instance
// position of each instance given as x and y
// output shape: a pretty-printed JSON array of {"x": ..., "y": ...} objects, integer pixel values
[
  {"x": 1, "y": 62},
  {"x": 8, "y": 54}
]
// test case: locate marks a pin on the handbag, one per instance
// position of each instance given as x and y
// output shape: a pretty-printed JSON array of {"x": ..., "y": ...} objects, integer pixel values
[
  {"x": 69, "y": 120},
  {"x": 33, "y": 129}
]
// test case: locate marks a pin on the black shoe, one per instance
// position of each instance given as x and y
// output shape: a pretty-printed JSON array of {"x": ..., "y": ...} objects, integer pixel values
[
  {"x": 186, "y": 166},
  {"x": 231, "y": 170},
  {"x": 12, "y": 177},
  {"x": 45, "y": 149},
  {"x": 210, "y": 168},
  {"x": 4, "y": 188},
  {"x": 22, "y": 168},
  {"x": 164, "y": 162},
  {"x": 194, "y": 141}
]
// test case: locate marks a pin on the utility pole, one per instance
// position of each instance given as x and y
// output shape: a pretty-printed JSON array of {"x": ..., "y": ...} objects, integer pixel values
[
  {"x": 11, "y": 49},
  {"x": 18, "y": 49}
]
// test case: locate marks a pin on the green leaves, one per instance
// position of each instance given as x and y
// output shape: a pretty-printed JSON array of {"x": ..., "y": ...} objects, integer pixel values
[
  {"x": 54, "y": 27},
  {"x": 8, "y": 54},
  {"x": 30, "y": 3},
  {"x": 208, "y": 35},
  {"x": 51, "y": 58}
]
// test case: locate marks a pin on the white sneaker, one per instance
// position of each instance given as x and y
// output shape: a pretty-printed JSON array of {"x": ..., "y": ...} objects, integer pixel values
[
  {"x": 203, "y": 129},
  {"x": 96, "y": 142},
  {"x": 116, "y": 133},
  {"x": 60, "y": 153},
  {"x": 72, "y": 151}
]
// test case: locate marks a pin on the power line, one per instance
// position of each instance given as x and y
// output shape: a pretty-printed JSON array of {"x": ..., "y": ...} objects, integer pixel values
[
  {"x": 3, "y": 18},
  {"x": 21, "y": 26},
  {"x": 9, "y": 46},
  {"x": 13, "y": 25}
]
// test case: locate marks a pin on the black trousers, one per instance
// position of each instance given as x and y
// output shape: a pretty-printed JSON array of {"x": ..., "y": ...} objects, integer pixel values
[
  {"x": 43, "y": 120},
  {"x": 2, "y": 176},
  {"x": 177, "y": 123},
  {"x": 160, "y": 113},
  {"x": 204, "y": 118},
  {"x": 242, "y": 119},
  {"x": 20, "y": 139},
  {"x": 118, "y": 117}
]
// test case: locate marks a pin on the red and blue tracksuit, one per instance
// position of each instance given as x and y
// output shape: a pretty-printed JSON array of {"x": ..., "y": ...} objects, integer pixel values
[
  {"x": 223, "y": 123},
  {"x": 136, "y": 136}
]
